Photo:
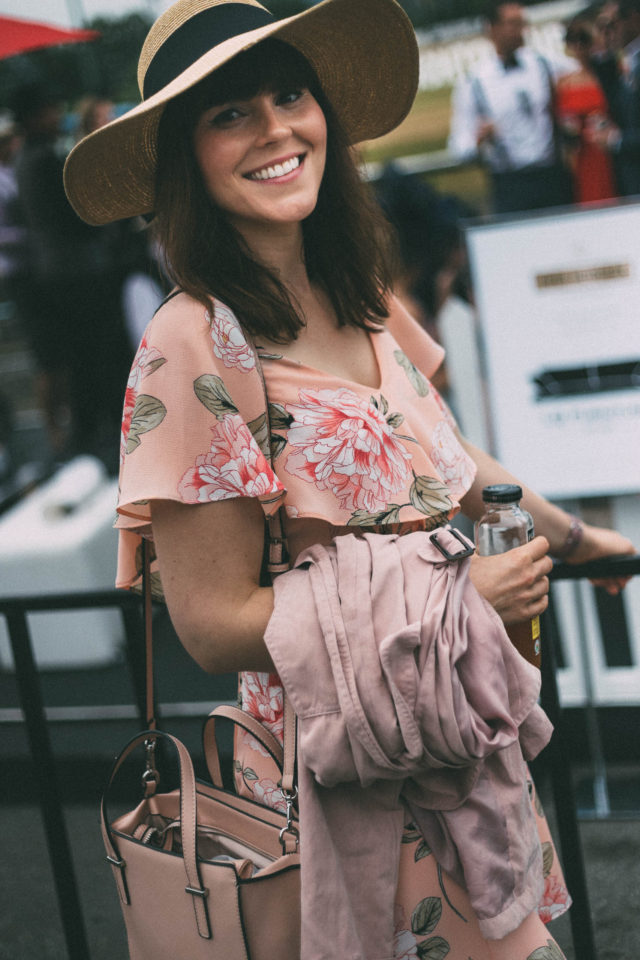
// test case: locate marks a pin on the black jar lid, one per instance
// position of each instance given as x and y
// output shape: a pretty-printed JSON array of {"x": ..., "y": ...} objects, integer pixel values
[{"x": 502, "y": 493}]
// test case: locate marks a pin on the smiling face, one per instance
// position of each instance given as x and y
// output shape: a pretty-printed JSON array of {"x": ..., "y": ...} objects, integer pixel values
[{"x": 262, "y": 158}]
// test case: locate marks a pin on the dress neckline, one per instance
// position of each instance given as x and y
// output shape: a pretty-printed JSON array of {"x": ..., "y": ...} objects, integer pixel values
[{"x": 265, "y": 354}]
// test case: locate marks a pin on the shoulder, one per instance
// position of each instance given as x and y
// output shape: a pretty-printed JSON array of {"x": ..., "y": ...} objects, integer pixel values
[
  {"x": 414, "y": 341},
  {"x": 179, "y": 316},
  {"x": 195, "y": 336}
]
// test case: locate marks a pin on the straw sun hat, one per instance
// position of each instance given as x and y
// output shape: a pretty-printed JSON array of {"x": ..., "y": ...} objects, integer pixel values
[{"x": 364, "y": 53}]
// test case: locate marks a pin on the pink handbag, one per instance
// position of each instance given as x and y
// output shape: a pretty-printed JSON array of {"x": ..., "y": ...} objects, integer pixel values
[{"x": 203, "y": 874}]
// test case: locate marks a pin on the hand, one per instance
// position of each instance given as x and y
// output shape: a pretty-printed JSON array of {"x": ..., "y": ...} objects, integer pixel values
[
  {"x": 515, "y": 583},
  {"x": 605, "y": 135},
  {"x": 597, "y": 543},
  {"x": 486, "y": 131}
]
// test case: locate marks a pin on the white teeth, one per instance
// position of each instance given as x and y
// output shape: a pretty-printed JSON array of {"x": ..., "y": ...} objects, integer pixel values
[{"x": 279, "y": 170}]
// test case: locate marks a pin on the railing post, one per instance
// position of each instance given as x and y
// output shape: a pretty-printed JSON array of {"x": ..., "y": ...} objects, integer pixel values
[
  {"x": 51, "y": 808},
  {"x": 564, "y": 800}
]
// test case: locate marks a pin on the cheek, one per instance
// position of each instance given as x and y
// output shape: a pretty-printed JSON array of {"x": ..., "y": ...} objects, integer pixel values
[
  {"x": 318, "y": 131},
  {"x": 214, "y": 160}
]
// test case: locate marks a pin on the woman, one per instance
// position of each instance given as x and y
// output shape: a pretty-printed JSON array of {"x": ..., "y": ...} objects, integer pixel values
[
  {"x": 263, "y": 217},
  {"x": 581, "y": 106}
]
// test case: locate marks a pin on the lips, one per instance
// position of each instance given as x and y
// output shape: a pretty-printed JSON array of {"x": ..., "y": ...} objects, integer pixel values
[{"x": 275, "y": 170}]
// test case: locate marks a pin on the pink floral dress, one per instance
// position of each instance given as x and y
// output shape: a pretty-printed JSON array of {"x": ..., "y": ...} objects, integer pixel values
[{"x": 344, "y": 455}]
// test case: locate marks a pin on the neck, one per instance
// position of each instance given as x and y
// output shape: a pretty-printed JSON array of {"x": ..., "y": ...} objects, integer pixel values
[{"x": 280, "y": 248}]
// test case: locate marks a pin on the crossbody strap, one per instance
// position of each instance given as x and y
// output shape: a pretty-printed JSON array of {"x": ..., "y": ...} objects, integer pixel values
[{"x": 277, "y": 562}]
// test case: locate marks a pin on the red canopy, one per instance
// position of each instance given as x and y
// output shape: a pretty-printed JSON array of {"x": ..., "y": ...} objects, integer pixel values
[{"x": 20, "y": 36}]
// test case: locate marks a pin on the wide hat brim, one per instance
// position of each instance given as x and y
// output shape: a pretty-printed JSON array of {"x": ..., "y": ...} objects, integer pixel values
[{"x": 364, "y": 53}]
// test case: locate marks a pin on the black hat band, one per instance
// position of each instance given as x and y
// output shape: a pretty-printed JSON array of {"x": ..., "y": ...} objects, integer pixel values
[{"x": 197, "y": 36}]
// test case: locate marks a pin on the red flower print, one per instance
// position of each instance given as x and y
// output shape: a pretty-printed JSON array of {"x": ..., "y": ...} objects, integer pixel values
[
  {"x": 269, "y": 794},
  {"x": 262, "y": 699},
  {"x": 234, "y": 466},
  {"x": 229, "y": 343},
  {"x": 555, "y": 899},
  {"x": 145, "y": 362},
  {"x": 344, "y": 444},
  {"x": 450, "y": 459}
]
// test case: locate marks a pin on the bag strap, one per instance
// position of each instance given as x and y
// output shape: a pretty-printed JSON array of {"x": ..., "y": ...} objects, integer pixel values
[{"x": 277, "y": 563}]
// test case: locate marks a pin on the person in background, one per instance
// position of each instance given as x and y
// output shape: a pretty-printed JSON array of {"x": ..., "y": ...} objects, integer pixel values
[
  {"x": 431, "y": 262},
  {"x": 621, "y": 136},
  {"x": 142, "y": 282},
  {"x": 581, "y": 106},
  {"x": 93, "y": 113},
  {"x": 70, "y": 298},
  {"x": 503, "y": 114},
  {"x": 12, "y": 246}
]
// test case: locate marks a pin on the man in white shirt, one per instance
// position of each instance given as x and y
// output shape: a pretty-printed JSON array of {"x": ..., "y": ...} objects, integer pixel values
[{"x": 503, "y": 114}]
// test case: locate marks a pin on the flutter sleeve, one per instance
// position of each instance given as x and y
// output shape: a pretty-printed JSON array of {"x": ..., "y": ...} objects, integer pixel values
[
  {"x": 420, "y": 348},
  {"x": 194, "y": 425}
]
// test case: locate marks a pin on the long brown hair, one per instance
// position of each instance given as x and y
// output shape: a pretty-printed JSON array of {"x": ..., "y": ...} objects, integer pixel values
[{"x": 346, "y": 238}]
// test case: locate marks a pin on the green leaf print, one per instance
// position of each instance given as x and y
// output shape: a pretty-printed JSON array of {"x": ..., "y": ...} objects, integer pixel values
[
  {"x": 429, "y": 496},
  {"x": 258, "y": 428},
  {"x": 538, "y": 802},
  {"x": 419, "y": 382},
  {"x": 249, "y": 774},
  {"x": 148, "y": 413},
  {"x": 212, "y": 393},
  {"x": 278, "y": 444},
  {"x": 153, "y": 365},
  {"x": 423, "y": 850},
  {"x": 395, "y": 420},
  {"x": 551, "y": 952},
  {"x": 411, "y": 833},
  {"x": 269, "y": 356},
  {"x": 547, "y": 858},
  {"x": 435, "y": 948},
  {"x": 280, "y": 418},
  {"x": 362, "y": 518},
  {"x": 426, "y": 916}
]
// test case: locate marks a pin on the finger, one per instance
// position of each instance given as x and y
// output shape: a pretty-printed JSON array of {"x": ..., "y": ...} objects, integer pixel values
[
  {"x": 612, "y": 585},
  {"x": 539, "y": 606},
  {"x": 538, "y": 547}
]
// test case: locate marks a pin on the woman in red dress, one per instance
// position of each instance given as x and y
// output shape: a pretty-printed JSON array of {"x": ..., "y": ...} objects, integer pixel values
[{"x": 580, "y": 105}]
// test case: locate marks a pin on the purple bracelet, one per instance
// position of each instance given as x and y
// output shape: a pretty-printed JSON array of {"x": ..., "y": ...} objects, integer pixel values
[{"x": 572, "y": 540}]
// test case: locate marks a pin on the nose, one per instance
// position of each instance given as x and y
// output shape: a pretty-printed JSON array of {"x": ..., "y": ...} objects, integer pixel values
[{"x": 272, "y": 123}]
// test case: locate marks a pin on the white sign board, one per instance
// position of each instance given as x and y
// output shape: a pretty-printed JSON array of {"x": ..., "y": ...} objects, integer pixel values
[{"x": 558, "y": 299}]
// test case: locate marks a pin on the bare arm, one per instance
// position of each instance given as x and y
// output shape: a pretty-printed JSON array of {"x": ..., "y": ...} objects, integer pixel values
[
  {"x": 551, "y": 523},
  {"x": 209, "y": 557}
]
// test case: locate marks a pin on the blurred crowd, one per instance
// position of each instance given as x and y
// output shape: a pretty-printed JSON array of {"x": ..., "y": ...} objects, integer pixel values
[
  {"x": 548, "y": 133},
  {"x": 552, "y": 133},
  {"x": 69, "y": 283}
]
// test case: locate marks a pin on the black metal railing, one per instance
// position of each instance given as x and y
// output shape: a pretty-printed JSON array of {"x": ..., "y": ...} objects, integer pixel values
[
  {"x": 15, "y": 611},
  {"x": 560, "y": 761}
]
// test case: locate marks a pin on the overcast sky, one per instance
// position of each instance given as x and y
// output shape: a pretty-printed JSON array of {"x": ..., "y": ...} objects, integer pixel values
[{"x": 70, "y": 13}]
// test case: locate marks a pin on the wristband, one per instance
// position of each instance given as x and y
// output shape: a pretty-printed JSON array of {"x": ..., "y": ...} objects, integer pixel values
[{"x": 572, "y": 540}]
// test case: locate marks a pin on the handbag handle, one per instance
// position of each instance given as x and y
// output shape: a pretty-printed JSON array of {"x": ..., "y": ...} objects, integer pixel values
[
  {"x": 242, "y": 719},
  {"x": 188, "y": 817}
]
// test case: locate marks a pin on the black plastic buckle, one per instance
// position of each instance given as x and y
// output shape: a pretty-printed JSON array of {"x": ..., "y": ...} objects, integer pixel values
[{"x": 468, "y": 551}]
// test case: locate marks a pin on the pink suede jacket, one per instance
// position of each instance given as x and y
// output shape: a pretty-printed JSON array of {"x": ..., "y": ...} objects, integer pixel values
[{"x": 411, "y": 702}]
